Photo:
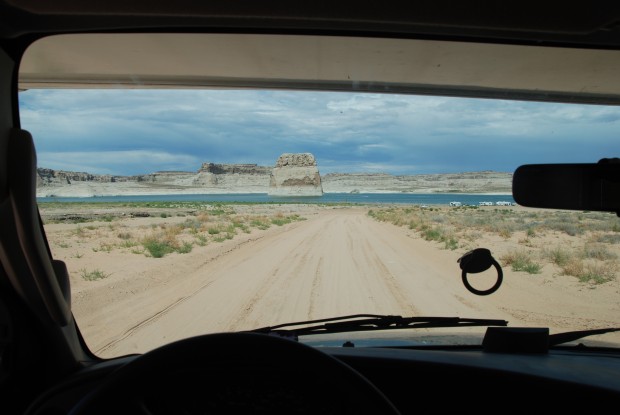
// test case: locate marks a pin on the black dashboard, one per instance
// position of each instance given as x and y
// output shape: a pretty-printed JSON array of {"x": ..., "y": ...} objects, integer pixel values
[{"x": 415, "y": 381}]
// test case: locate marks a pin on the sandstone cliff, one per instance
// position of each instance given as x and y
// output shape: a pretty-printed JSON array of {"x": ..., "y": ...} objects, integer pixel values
[
  {"x": 471, "y": 182},
  {"x": 295, "y": 175}
]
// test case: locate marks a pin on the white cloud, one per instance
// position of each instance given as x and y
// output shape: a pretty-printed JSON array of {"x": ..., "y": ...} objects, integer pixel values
[
  {"x": 111, "y": 162},
  {"x": 123, "y": 131}
]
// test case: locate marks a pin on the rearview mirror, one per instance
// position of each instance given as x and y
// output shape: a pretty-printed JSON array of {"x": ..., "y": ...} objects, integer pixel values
[{"x": 585, "y": 186}]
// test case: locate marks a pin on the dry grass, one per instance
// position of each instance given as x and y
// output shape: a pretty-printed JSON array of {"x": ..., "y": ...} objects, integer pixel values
[
  {"x": 93, "y": 275},
  {"x": 521, "y": 260},
  {"x": 589, "y": 250},
  {"x": 168, "y": 231}
]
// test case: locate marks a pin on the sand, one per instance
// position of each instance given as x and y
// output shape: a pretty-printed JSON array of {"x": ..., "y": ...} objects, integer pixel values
[{"x": 338, "y": 261}]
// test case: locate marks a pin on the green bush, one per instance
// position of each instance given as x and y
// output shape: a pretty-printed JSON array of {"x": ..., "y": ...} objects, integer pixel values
[
  {"x": 451, "y": 243},
  {"x": 280, "y": 221},
  {"x": 521, "y": 261},
  {"x": 260, "y": 224},
  {"x": 432, "y": 234},
  {"x": 186, "y": 248},
  {"x": 157, "y": 248}
]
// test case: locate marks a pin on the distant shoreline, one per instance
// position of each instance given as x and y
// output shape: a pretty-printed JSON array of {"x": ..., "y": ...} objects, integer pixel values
[{"x": 467, "y": 199}]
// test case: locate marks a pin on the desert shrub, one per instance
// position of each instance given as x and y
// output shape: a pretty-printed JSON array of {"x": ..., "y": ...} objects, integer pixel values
[
  {"x": 395, "y": 216},
  {"x": 93, "y": 275},
  {"x": 566, "y": 225},
  {"x": 104, "y": 247},
  {"x": 591, "y": 272},
  {"x": 432, "y": 234},
  {"x": 606, "y": 222},
  {"x": 476, "y": 221},
  {"x": 260, "y": 223},
  {"x": 608, "y": 238},
  {"x": 124, "y": 235},
  {"x": 280, "y": 221},
  {"x": 191, "y": 224},
  {"x": 558, "y": 255},
  {"x": 158, "y": 248},
  {"x": 242, "y": 226},
  {"x": 218, "y": 212},
  {"x": 505, "y": 233},
  {"x": 521, "y": 261},
  {"x": 186, "y": 248},
  {"x": 238, "y": 222},
  {"x": 451, "y": 243},
  {"x": 503, "y": 229},
  {"x": 128, "y": 244},
  {"x": 598, "y": 251},
  {"x": 79, "y": 231},
  {"x": 203, "y": 217}
]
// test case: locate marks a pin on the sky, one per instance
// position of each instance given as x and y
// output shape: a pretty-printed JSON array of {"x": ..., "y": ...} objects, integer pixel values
[{"x": 129, "y": 132}]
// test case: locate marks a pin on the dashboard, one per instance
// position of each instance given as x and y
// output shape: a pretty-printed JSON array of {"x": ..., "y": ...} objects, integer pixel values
[{"x": 416, "y": 381}]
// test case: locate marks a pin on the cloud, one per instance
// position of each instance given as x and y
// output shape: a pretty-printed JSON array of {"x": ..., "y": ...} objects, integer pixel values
[
  {"x": 138, "y": 131},
  {"x": 111, "y": 162}
]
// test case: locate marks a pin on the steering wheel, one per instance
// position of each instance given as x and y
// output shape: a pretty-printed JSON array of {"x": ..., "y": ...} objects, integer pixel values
[{"x": 235, "y": 373}]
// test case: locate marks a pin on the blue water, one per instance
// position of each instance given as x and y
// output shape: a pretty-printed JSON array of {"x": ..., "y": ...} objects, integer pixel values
[{"x": 361, "y": 198}]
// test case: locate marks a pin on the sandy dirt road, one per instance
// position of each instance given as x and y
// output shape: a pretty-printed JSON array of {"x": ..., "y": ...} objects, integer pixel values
[{"x": 338, "y": 262}]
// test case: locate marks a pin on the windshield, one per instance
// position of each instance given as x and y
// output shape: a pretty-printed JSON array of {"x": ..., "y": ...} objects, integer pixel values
[{"x": 188, "y": 211}]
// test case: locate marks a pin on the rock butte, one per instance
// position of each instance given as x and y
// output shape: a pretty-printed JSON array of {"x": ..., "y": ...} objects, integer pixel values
[{"x": 295, "y": 175}]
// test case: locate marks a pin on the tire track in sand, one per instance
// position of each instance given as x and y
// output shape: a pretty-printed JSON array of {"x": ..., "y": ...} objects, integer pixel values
[
  {"x": 129, "y": 332},
  {"x": 297, "y": 254}
]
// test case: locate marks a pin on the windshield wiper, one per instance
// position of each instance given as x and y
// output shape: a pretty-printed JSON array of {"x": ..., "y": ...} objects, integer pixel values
[
  {"x": 368, "y": 322},
  {"x": 569, "y": 336}
]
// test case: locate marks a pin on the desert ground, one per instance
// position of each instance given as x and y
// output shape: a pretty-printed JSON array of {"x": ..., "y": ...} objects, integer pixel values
[{"x": 147, "y": 274}]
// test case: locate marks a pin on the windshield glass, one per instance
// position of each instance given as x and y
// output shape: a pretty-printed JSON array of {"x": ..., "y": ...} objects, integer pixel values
[{"x": 183, "y": 212}]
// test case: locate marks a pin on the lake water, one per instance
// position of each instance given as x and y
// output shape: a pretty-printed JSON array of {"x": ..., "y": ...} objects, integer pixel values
[{"x": 360, "y": 198}]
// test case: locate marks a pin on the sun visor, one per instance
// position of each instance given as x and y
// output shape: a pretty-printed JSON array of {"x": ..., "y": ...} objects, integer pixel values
[{"x": 161, "y": 60}]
